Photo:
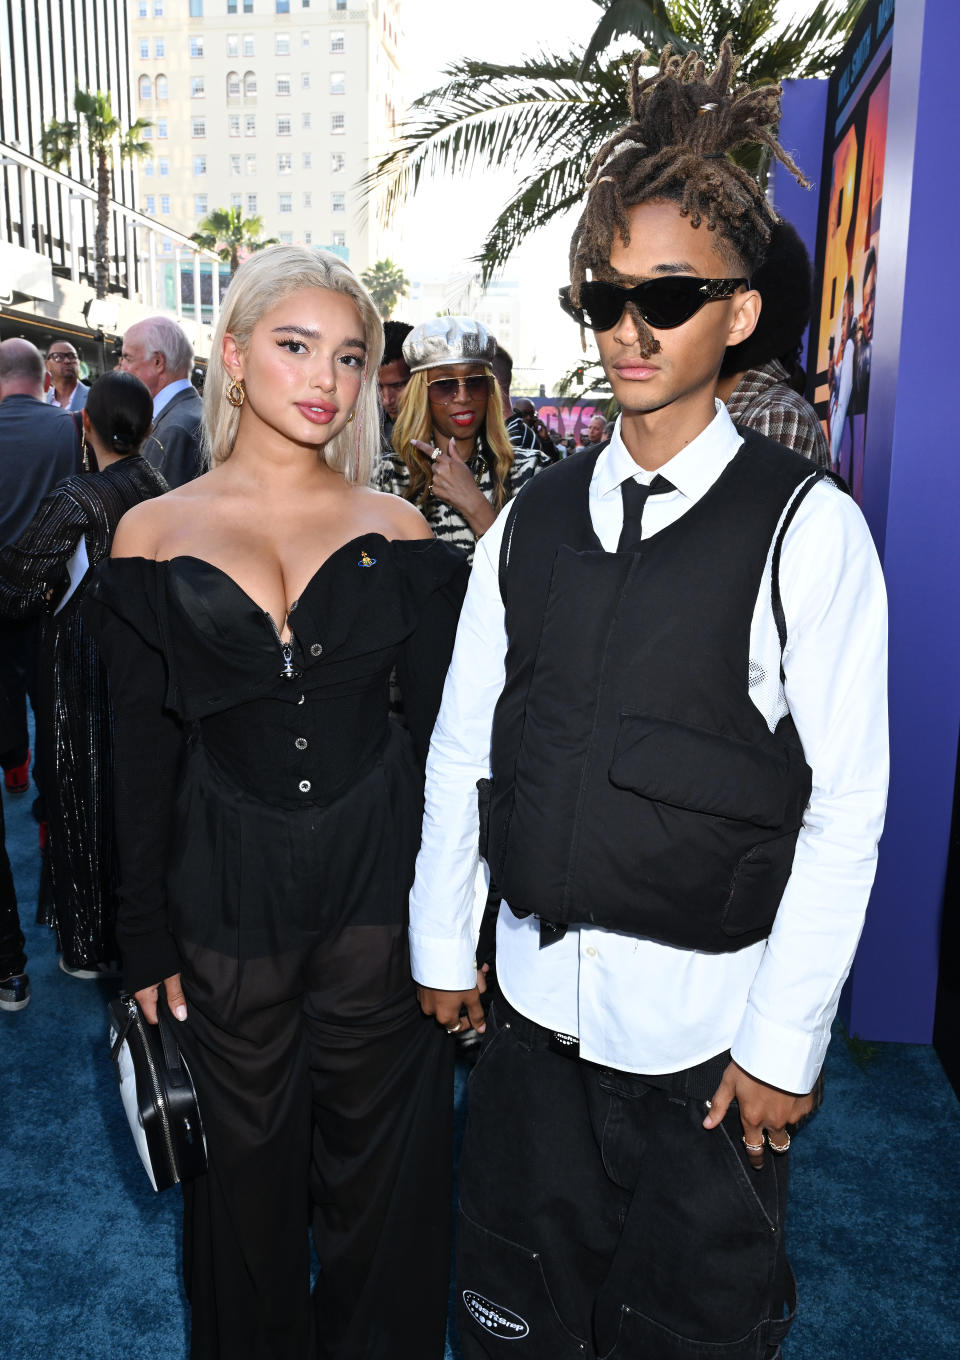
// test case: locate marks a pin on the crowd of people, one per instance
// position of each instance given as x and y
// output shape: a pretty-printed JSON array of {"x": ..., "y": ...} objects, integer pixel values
[{"x": 370, "y": 714}]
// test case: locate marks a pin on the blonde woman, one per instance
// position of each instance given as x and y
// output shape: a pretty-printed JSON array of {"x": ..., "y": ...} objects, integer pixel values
[
  {"x": 453, "y": 458},
  {"x": 270, "y": 817}
]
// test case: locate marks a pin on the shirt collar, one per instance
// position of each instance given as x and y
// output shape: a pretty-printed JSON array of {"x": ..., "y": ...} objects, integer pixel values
[
  {"x": 166, "y": 394},
  {"x": 692, "y": 471}
]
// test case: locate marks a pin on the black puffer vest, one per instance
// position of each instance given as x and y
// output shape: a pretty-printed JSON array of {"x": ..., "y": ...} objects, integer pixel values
[{"x": 635, "y": 784}]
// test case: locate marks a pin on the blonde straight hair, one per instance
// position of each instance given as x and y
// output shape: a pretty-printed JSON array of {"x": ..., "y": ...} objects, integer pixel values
[
  {"x": 414, "y": 421},
  {"x": 259, "y": 284}
]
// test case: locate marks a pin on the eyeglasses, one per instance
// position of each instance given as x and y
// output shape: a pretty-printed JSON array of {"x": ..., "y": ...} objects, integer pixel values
[
  {"x": 663, "y": 303},
  {"x": 445, "y": 390},
  {"x": 63, "y": 358}
]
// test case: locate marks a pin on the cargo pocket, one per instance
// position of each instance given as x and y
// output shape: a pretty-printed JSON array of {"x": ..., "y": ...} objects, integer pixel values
[
  {"x": 758, "y": 884},
  {"x": 503, "y": 1297},
  {"x": 640, "y": 1335}
]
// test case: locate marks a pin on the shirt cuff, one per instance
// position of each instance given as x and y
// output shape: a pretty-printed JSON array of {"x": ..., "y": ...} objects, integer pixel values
[
  {"x": 789, "y": 1059},
  {"x": 450, "y": 965}
]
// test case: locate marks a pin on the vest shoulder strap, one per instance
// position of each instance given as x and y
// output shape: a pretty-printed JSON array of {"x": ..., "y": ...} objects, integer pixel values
[{"x": 776, "y": 603}]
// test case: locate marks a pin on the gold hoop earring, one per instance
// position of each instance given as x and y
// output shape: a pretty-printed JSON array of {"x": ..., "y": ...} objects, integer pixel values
[
  {"x": 350, "y": 417},
  {"x": 236, "y": 392},
  {"x": 84, "y": 451}
]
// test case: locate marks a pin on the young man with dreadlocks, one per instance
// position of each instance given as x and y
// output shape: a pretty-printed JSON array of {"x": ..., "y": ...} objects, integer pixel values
[{"x": 683, "y": 715}]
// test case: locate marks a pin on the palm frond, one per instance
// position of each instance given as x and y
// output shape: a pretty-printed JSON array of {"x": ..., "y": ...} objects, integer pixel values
[{"x": 649, "y": 22}]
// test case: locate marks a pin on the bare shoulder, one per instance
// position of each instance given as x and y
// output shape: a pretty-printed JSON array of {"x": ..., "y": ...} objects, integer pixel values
[
  {"x": 398, "y": 518},
  {"x": 141, "y": 529}
]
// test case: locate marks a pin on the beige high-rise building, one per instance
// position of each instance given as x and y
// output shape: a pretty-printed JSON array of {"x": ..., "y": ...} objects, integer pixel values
[{"x": 275, "y": 107}]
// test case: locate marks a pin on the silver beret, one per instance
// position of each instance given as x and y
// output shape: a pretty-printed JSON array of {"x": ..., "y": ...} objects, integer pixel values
[{"x": 448, "y": 340}]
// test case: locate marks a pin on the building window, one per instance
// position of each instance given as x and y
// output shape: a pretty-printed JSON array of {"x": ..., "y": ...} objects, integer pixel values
[
  {"x": 197, "y": 88},
  {"x": 283, "y": 86},
  {"x": 164, "y": 203},
  {"x": 200, "y": 205},
  {"x": 151, "y": 205},
  {"x": 308, "y": 199},
  {"x": 307, "y": 160},
  {"x": 167, "y": 247},
  {"x": 144, "y": 49},
  {"x": 233, "y": 85},
  {"x": 199, "y": 165},
  {"x": 148, "y": 169},
  {"x": 198, "y": 127},
  {"x": 305, "y": 38},
  {"x": 161, "y": 87},
  {"x": 231, "y": 6},
  {"x": 196, "y": 47},
  {"x": 338, "y": 41},
  {"x": 196, "y": 9},
  {"x": 248, "y": 6},
  {"x": 251, "y": 165},
  {"x": 284, "y": 163},
  {"x": 285, "y": 203},
  {"x": 236, "y": 201},
  {"x": 308, "y": 238},
  {"x": 233, "y": 44},
  {"x": 338, "y": 122},
  {"x": 338, "y": 162},
  {"x": 248, "y": 49},
  {"x": 281, "y": 45},
  {"x": 142, "y": 9},
  {"x": 286, "y": 238},
  {"x": 159, "y": 48},
  {"x": 284, "y": 125},
  {"x": 251, "y": 204},
  {"x": 341, "y": 5},
  {"x": 338, "y": 203},
  {"x": 305, "y": 80},
  {"x": 233, "y": 124},
  {"x": 282, "y": 6},
  {"x": 148, "y": 133},
  {"x": 339, "y": 238},
  {"x": 145, "y": 88},
  {"x": 158, "y": 11},
  {"x": 250, "y": 84},
  {"x": 164, "y": 166},
  {"x": 338, "y": 82},
  {"x": 250, "y": 125},
  {"x": 235, "y": 165},
  {"x": 161, "y": 127}
]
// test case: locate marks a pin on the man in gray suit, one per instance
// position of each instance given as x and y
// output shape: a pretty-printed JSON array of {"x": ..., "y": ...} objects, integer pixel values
[{"x": 158, "y": 353}]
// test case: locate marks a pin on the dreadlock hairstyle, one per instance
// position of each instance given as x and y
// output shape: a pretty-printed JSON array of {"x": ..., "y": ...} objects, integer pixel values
[{"x": 684, "y": 122}]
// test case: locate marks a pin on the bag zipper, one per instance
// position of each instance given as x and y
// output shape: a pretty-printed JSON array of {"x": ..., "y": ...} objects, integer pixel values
[{"x": 161, "y": 1100}]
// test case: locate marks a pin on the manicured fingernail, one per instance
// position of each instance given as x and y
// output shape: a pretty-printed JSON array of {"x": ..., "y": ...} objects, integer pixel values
[{"x": 180, "y": 1012}]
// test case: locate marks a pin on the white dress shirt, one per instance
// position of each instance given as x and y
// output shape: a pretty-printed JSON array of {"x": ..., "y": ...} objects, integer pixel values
[
  {"x": 167, "y": 394},
  {"x": 637, "y": 1005}
]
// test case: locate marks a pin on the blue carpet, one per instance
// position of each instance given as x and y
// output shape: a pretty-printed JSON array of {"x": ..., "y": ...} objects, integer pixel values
[{"x": 89, "y": 1260}]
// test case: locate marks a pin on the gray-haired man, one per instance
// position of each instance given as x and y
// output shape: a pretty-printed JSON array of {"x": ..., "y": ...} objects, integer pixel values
[{"x": 158, "y": 353}]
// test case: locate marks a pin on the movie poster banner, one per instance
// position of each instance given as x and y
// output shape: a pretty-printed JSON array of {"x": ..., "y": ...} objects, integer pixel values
[{"x": 849, "y": 254}]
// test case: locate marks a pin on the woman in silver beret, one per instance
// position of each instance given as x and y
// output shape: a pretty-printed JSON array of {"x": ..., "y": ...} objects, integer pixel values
[{"x": 452, "y": 455}]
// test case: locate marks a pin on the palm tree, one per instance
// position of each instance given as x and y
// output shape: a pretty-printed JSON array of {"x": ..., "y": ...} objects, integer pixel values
[
  {"x": 386, "y": 284},
  {"x": 227, "y": 232},
  {"x": 103, "y": 131},
  {"x": 557, "y": 109}
]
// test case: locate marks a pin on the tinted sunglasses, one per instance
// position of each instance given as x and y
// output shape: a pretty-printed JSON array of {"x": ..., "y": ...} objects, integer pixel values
[
  {"x": 445, "y": 390},
  {"x": 663, "y": 303}
]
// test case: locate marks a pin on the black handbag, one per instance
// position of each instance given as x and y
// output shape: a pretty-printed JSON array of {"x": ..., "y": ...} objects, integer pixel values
[{"x": 158, "y": 1096}]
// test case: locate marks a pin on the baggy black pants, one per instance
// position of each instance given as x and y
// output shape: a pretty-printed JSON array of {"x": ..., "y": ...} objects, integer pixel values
[
  {"x": 599, "y": 1219},
  {"x": 327, "y": 1098}
]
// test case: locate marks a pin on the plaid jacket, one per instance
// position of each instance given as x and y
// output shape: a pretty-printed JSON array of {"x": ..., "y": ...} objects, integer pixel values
[{"x": 764, "y": 401}]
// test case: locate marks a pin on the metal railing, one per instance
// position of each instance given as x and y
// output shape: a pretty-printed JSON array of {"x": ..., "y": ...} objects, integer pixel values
[{"x": 53, "y": 216}]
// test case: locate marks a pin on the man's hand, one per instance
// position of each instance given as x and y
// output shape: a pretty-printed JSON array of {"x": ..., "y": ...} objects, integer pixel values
[
  {"x": 446, "y": 1007},
  {"x": 762, "y": 1108},
  {"x": 175, "y": 999}
]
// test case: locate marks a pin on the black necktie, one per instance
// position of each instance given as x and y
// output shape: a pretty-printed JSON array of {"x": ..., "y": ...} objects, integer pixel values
[{"x": 635, "y": 495}]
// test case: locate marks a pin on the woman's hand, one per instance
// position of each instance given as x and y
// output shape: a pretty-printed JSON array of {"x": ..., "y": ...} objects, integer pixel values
[
  {"x": 454, "y": 483},
  {"x": 148, "y": 998}
]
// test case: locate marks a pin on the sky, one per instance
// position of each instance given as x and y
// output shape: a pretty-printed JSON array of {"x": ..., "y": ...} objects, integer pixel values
[{"x": 446, "y": 222}]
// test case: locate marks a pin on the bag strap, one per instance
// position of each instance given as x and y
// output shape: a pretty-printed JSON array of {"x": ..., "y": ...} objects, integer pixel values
[
  {"x": 779, "y": 617},
  {"x": 172, "y": 1060}
]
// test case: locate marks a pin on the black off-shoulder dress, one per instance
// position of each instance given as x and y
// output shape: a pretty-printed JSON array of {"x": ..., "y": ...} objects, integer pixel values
[{"x": 268, "y": 822}]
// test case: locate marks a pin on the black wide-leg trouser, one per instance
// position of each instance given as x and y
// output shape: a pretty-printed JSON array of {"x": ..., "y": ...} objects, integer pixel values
[
  {"x": 326, "y": 1098},
  {"x": 599, "y": 1219}
]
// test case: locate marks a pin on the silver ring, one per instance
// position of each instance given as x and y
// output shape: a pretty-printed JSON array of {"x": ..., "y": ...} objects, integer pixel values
[
  {"x": 455, "y": 1028},
  {"x": 753, "y": 1147},
  {"x": 435, "y": 454},
  {"x": 779, "y": 1147}
]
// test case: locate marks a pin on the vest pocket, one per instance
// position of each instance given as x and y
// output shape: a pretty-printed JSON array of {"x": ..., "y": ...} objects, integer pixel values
[
  {"x": 691, "y": 767},
  {"x": 758, "y": 885}
]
